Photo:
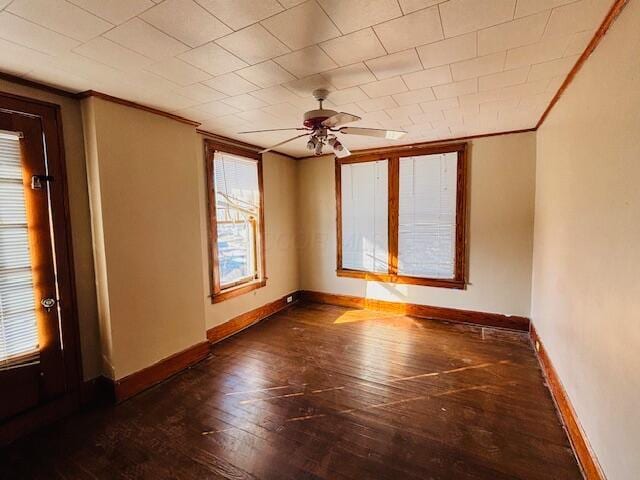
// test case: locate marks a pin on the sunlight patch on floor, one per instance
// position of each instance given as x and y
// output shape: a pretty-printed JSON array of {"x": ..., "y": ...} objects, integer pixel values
[{"x": 352, "y": 316}]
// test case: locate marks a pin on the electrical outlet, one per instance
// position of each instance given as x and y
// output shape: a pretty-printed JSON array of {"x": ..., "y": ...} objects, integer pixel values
[{"x": 290, "y": 299}]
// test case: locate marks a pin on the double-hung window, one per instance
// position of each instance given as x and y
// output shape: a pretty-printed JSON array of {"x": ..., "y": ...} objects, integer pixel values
[
  {"x": 236, "y": 220},
  {"x": 401, "y": 215}
]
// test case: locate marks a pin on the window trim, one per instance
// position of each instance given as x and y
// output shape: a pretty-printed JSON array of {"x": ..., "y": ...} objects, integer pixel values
[
  {"x": 217, "y": 293},
  {"x": 393, "y": 155}
]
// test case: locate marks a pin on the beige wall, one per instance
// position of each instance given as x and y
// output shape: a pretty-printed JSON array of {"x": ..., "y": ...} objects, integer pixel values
[
  {"x": 145, "y": 200},
  {"x": 279, "y": 178},
  {"x": 501, "y": 197},
  {"x": 586, "y": 287},
  {"x": 80, "y": 221}
]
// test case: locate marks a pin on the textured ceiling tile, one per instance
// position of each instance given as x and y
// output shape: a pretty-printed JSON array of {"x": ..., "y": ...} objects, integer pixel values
[
  {"x": 516, "y": 33},
  {"x": 428, "y": 78},
  {"x": 302, "y": 26},
  {"x": 284, "y": 110},
  {"x": 212, "y": 59},
  {"x": 275, "y": 94},
  {"x": 395, "y": 64},
  {"x": 384, "y": 87},
  {"x": 462, "y": 16},
  {"x": 306, "y": 85},
  {"x": 186, "y": 21},
  {"x": 375, "y": 104},
  {"x": 231, "y": 84},
  {"x": 353, "y": 15},
  {"x": 244, "y": 102},
  {"x": 28, "y": 34},
  {"x": 348, "y": 95},
  {"x": 432, "y": 116},
  {"x": 349, "y": 76},
  {"x": 60, "y": 16},
  {"x": 112, "y": 54},
  {"x": 306, "y": 62},
  {"x": 528, "y": 7},
  {"x": 253, "y": 44},
  {"x": 141, "y": 37},
  {"x": 548, "y": 49},
  {"x": 217, "y": 108},
  {"x": 354, "y": 47},
  {"x": 410, "y": 30},
  {"x": 114, "y": 11},
  {"x": 478, "y": 66},
  {"x": 240, "y": 13},
  {"x": 578, "y": 42},
  {"x": 414, "y": 96},
  {"x": 16, "y": 59},
  {"x": 403, "y": 112},
  {"x": 409, "y": 6},
  {"x": 200, "y": 92},
  {"x": 266, "y": 74},
  {"x": 439, "y": 105},
  {"x": 455, "y": 89},
  {"x": 448, "y": 51},
  {"x": 578, "y": 16},
  {"x": 561, "y": 66},
  {"x": 503, "y": 79},
  {"x": 178, "y": 71},
  {"x": 58, "y": 78}
]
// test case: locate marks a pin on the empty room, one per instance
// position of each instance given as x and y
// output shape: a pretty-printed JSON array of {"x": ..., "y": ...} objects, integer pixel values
[{"x": 320, "y": 239}]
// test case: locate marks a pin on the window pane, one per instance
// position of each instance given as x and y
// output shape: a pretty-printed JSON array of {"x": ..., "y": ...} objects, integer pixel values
[
  {"x": 18, "y": 327},
  {"x": 365, "y": 241},
  {"x": 427, "y": 216},
  {"x": 237, "y": 214}
]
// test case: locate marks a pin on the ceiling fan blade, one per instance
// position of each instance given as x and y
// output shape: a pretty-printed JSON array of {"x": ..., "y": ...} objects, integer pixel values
[
  {"x": 340, "y": 119},
  {"x": 373, "y": 132},
  {"x": 282, "y": 143},
  {"x": 273, "y": 130},
  {"x": 344, "y": 152}
]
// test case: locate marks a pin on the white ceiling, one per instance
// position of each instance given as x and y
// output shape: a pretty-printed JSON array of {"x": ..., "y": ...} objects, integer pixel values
[{"x": 436, "y": 68}]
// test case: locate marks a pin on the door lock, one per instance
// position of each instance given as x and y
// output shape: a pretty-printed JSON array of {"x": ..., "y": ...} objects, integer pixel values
[{"x": 48, "y": 303}]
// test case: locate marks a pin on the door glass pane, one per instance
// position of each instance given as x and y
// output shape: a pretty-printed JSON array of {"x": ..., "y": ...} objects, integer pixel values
[
  {"x": 364, "y": 196},
  {"x": 237, "y": 214},
  {"x": 18, "y": 328},
  {"x": 427, "y": 216}
]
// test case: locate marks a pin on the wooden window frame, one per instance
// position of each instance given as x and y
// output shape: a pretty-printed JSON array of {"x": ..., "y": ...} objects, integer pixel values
[
  {"x": 217, "y": 293},
  {"x": 393, "y": 155}
]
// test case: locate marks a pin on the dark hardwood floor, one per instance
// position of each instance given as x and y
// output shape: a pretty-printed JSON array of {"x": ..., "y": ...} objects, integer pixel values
[{"x": 318, "y": 391}]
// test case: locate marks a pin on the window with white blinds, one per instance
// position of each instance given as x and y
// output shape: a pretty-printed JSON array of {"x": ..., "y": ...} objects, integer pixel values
[
  {"x": 237, "y": 203},
  {"x": 364, "y": 195},
  {"x": 401, "y": 215},
  {"x": 18, "y": 328},
  {"x": 427, "y": 215}
]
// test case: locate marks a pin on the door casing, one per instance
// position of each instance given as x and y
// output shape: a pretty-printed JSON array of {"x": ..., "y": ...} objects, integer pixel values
[{"x": 51, "y": 121}]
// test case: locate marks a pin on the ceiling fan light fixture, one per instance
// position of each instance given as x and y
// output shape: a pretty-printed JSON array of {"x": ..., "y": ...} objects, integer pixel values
[{"x": 312, "y": 143}]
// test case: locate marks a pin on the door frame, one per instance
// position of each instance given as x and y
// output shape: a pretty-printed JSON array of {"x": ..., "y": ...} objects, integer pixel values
[{"x": 50, "y": 118}]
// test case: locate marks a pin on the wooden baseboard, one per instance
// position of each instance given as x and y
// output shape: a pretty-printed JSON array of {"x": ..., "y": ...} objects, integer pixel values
[
  {"x": 423, "y": 311},
  {"x": 586, "y": 458},
  {"x": 137, "y": 382},
  {"x": 239, "y": 323}
]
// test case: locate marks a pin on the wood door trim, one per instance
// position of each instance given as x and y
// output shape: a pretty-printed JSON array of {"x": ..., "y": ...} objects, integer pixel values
[
  {"x": 587, "y": 459},
  {"x": 51, "y": 121}
]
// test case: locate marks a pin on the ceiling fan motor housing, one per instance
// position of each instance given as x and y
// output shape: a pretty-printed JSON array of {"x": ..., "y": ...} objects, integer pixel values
[{"x": 313, "y": 118}]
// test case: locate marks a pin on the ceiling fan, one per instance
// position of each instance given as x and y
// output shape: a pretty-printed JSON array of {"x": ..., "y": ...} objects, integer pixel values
[{"x": 322, "y": 126}]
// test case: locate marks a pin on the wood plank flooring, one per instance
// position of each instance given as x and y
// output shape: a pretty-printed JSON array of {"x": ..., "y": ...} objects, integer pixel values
[{"x": 324, "y": 392}]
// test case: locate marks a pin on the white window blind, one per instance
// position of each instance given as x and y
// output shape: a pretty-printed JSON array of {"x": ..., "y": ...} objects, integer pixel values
[
  {"x": 427, "y": 216},
  {"x": 365, "y": 240},
  {"x": 237, "y": 215},
  {"x": 18, "y": 328}
]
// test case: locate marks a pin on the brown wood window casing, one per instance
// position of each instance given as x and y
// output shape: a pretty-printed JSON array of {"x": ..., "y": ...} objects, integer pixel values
[
  {"x": 392, "y": 158},
  {"x": 256, "y": 276}
]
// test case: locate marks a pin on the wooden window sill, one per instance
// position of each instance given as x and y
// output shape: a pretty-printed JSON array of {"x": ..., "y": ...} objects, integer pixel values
[
  {"x": 402, "y": 279},
  {"x": 237, "y": 290}
]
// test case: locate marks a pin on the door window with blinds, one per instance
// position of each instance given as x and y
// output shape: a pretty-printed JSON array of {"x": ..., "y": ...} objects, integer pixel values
[
  {"x": 236, "y": 220},
  {"x": 18, "y": 324},
  {"x": 401, "y": 216}
]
